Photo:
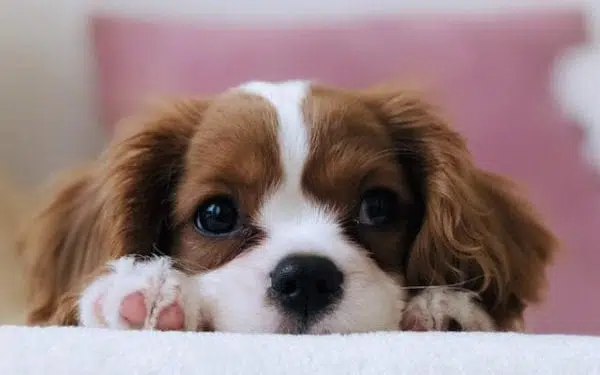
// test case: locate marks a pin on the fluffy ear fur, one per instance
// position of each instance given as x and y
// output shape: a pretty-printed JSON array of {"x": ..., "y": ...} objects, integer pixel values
[
  {"x": 475, "y": 229},
  {"x": 57, "y": 244},
  {"x": 118, "y": 205}
]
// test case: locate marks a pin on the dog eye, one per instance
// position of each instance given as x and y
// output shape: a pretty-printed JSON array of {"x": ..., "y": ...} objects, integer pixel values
[
  {"x": 378, "y": 207},
  {"x": 217, "y": 216}
]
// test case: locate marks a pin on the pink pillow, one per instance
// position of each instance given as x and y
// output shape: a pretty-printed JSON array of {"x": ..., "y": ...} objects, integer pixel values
[{"x": 492, "y": 73}]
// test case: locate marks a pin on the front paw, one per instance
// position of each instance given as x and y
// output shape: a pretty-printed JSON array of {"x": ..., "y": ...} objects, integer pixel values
[
  {"x": 445, "y": 309},
  {"x": 140, "y": 295}
]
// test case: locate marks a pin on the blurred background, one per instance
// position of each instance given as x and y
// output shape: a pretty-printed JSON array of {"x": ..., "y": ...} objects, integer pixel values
[{"x": 521, "y": 80}]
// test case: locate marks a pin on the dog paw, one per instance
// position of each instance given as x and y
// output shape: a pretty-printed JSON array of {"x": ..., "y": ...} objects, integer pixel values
[
  {"x": 138, "y": 294},
  {"x": 445, "y": 309}
]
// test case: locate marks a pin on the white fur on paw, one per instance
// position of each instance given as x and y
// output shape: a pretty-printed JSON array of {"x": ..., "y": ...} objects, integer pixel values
[
  {"x": 434, "y": 309},
  {"x": 156, "y": 280}
]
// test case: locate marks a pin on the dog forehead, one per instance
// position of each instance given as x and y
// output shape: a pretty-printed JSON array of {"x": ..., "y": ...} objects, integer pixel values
[
  {"x": 324, "y": 137},
  {"x": 287, "y": 99},
  {"x": 321, "y": 131},
  {"x": 309, "y": 117},
  {"x": 287, "y": 200}
]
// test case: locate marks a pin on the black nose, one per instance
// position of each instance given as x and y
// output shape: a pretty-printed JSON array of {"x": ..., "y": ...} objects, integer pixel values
[{"x": 305, "y": 285}]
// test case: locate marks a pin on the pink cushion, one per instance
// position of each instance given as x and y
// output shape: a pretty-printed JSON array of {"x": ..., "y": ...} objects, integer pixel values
[{"x": 492, "y": 73}]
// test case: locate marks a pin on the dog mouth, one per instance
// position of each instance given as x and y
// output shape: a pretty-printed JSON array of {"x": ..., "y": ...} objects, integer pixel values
[{"x": 301, "y": 325}]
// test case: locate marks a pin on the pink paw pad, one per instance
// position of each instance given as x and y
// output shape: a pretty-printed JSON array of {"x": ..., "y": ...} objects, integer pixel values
[
  {"x": 171, "y": 318},
  {"x": 133, "y": 310}
]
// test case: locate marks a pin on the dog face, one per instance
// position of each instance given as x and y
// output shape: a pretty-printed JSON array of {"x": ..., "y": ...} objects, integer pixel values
[
  {"x": 307, "y": 209},
  {"x": 294, "y": 198}
]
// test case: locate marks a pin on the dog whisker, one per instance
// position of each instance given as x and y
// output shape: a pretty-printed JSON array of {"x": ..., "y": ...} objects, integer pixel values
[{"x": 453, "y": 286}]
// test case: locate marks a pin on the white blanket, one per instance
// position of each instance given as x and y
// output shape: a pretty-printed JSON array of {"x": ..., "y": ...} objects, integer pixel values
[{"x": 65, "y": 351}]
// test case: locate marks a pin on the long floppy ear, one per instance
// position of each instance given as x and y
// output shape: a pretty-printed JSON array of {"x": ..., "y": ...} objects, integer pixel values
[
  {"x": 59, "y": 243},
  {"x": 475, "y": 229},
  {"x": 117, "y": 205}
]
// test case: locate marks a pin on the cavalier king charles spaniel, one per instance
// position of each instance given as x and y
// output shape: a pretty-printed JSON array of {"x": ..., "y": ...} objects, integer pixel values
[{"x": 287, "y": 207}]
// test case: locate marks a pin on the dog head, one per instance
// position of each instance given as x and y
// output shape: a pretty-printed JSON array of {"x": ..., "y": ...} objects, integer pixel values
[{"x": 307, "y": 208}]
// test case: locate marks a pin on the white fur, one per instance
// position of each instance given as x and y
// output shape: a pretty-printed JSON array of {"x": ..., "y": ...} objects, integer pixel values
[
  {"x": 432, "y": 308},
  {"x": 159, "y": 283},
  {"x": 288, "y": 202},
  {"x": 236, "y": 292},
  {"x": 234, "y": 296}
]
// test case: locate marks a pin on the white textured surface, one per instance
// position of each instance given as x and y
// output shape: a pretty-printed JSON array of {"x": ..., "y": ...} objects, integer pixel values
[{"x": 81, "y": 351}]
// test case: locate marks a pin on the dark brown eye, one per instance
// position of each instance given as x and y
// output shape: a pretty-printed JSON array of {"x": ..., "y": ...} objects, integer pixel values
[
  {"x": 217, "y": 216},
  {"x": 378, "y": 208}
]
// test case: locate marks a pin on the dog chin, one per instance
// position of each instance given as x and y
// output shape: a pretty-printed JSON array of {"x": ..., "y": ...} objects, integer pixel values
[
  {"x": 330, "y": 324},
  {"x": 299, "y": 326},
  {"x": 323, "y": 325}
]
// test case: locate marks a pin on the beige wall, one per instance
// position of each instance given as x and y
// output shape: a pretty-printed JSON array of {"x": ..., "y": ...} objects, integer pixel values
[{"x": 47, "y": 117}]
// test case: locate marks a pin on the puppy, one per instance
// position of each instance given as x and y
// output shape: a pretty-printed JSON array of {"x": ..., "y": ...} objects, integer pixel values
[{"x": 287, "y": 207}]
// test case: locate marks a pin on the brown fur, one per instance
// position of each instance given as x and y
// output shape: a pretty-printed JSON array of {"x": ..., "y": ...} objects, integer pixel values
[
  {"x": 100, "y": 212},
  {"x": 235, "y": 154},
  {"x": 477, "y": 230},
  {"x": 352, "y": 152},
  {"x": 466, "y": 225}
]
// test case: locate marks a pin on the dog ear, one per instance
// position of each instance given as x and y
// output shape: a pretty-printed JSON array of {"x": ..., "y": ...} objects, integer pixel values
[
  {"x": 139, "y": 176},
  {"x": 59, "y": 243},
  {"x": 474, "y": 229},
  {"x": 116, "y": 206}
]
